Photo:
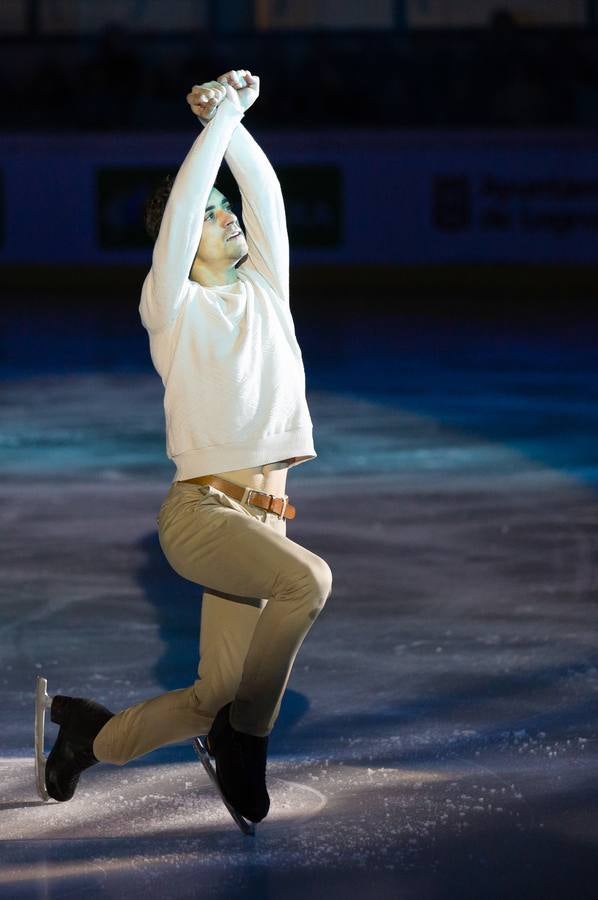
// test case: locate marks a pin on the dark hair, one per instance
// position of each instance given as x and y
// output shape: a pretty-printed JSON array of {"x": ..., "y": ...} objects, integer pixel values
[{"x": 153, "y": 209}]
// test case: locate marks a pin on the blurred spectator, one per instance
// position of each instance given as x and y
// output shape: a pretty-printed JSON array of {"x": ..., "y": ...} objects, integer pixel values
[
  {"x": 322, "y": 93},
  {"x": 519, "y": 100},
  {"x": 502, "y": 23},
  {"x": 558, "y": 80},
  {"x": 47, "y": 96},
  {"x": 391, "y": 102},
  {"x": 585, "y": 86},
  {"x": 502, "y": 75},
  {"x": 199, "y": 62},
  {"x": 110, "y": 81}
]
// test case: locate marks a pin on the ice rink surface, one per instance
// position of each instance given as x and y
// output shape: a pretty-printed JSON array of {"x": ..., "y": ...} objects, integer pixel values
[{"x": 439, "y": 734}]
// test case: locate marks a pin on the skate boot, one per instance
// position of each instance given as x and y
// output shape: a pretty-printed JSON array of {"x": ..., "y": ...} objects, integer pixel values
[
  {"x": 240, "y": 766},
  {"x": 80, "y": 721}
]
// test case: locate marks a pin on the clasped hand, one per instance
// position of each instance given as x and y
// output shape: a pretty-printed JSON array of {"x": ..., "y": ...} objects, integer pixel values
[{"x": 239, "y": 85}]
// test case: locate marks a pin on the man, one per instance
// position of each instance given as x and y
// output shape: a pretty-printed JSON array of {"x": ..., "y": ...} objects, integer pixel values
[{"x": 216, "y": 307}]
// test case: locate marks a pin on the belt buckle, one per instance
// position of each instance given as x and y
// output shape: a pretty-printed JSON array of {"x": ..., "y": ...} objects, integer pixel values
[
  {"x": 247, "y": 499},
  {"x": 247, "y": 492}
]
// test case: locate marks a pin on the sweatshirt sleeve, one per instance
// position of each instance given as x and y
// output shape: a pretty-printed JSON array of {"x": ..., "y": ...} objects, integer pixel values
[
  {"x": 262, "y": 209},
  {"x": 182, "y": 222}
]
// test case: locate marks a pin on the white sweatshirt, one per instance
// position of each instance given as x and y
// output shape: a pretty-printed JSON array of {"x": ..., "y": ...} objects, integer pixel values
[{"x": 228, "y": 356}]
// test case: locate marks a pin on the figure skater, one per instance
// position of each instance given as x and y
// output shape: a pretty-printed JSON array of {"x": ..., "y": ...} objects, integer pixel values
[{"x": 215, "y": 304}]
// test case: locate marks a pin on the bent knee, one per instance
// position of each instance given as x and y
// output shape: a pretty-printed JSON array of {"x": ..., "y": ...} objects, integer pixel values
[{"x": 322, "y": 582}]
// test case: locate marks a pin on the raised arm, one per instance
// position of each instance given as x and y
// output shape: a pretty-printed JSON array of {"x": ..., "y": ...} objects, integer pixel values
[
  {"x": 182, "y": 222},
  {"x": 262, "y": 202}
]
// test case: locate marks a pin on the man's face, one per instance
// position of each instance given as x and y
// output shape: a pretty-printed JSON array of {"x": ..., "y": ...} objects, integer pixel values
[{"x": 219, "y": 223}]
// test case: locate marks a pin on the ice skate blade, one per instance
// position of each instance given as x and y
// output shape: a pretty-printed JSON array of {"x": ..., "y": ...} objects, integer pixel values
[
  {"x": 199, "y": 744},
  {"x": 42, "y": 703}
]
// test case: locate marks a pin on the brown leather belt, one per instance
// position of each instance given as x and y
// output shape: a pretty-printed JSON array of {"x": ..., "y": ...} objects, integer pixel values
[{"x": 280, "y": 506}]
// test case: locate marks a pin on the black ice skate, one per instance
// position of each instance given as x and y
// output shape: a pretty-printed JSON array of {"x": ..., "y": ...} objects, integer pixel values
[
  {"x": 80, "y": 721},
  {"x": 240, "y": 766},
  {"x": 202, "y": 751}
]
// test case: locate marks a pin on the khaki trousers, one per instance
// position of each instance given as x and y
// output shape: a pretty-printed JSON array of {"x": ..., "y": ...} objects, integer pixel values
[{"x": 262, "y": 594}]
